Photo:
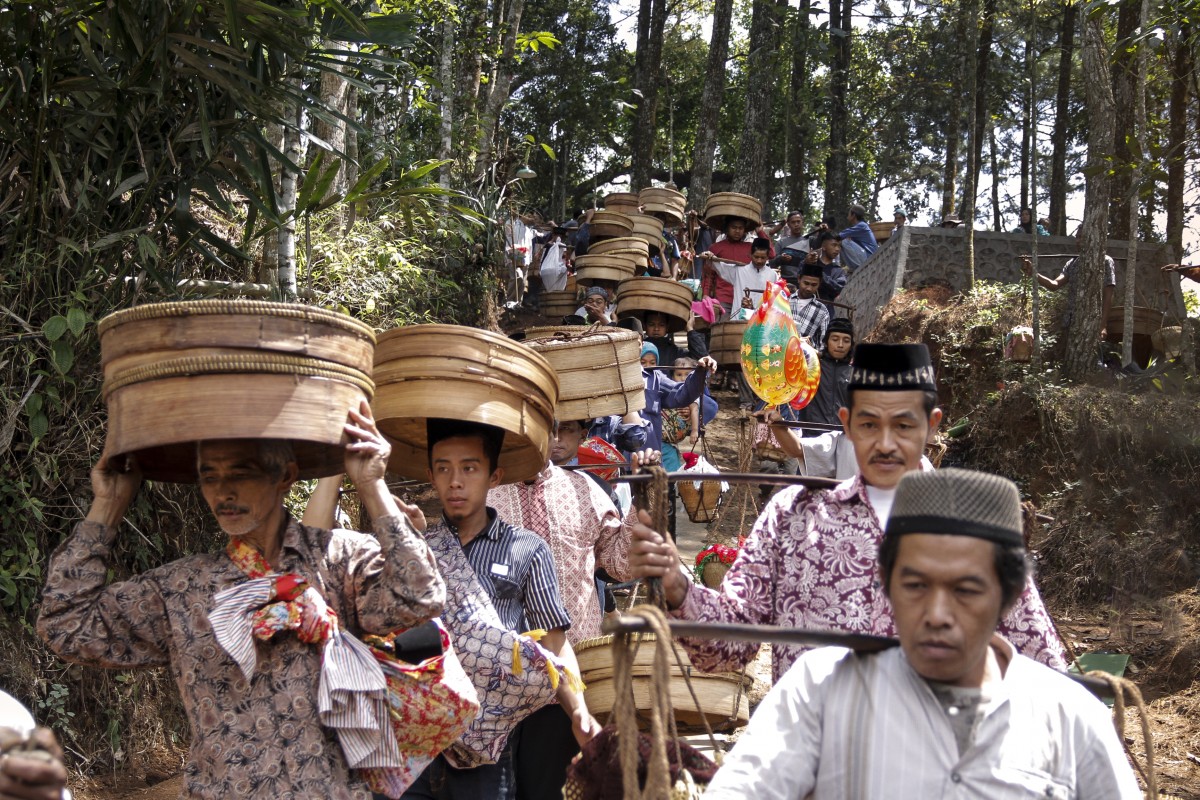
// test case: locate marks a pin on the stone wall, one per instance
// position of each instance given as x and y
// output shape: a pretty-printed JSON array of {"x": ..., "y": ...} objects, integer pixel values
[{"x": 919, "y": 256}]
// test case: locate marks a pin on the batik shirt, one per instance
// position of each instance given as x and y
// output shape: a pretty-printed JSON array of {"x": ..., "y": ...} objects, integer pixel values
[
  {"x": 811, "y": 562},
  {"x": 260, "y": 738},
  {"x": 581, "y": 526}
]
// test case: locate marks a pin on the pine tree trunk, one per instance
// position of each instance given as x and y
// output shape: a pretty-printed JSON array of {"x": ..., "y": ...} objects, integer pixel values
[
  {"x": 1026, "y": 130},
  {"x": 997, "y": 216},
  {"x": 1125, "y": 88},
  {"x": 1135, "y": 133},
  {"x": 648, "y": 69},
  {"x": 1062, "y": 121},
  {"x": 971, "y": 58},
  {"x": 799, "y": 97},
  {"x": 1177, "y": 142},
  {"x": 1087, "y": 278},
  {"x": 754, "y": 163},
  {"x": 837, "y": 176},
  {"x": 710, "y": 106},
  {"x": 953, "y": 127}
]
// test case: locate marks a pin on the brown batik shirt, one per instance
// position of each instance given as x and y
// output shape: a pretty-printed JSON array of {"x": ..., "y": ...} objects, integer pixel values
[{"x": 260, "y": 738}]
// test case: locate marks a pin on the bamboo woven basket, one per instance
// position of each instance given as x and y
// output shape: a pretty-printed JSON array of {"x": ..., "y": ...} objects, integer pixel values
[
  {"x": 621, "y": 244},
  {"x": 607, "y": 224},
  {"x": 650, "y": 230},
  {"x": 555, "y": 305},
  {"x": 724, "y": 205},
  {"x": 599, "y": 372},
  {"x": 701, "y": 504},
  {"x": 622, "y": 202},
  {"x": 454, "y": 372},
  {"x": 606, "y": 267},
  {"x": 666, "y": 204},
  {"x": 178, "y": 373},
  {"x": 722, "y": 696},
  {"x": 636, "y": 296},
  {"x": 725, "y": 343},
  {"x": 882, "y": 231}
]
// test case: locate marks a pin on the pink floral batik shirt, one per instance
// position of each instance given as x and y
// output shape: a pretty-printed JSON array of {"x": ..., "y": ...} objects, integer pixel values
[{"x": 811, "y": 563}]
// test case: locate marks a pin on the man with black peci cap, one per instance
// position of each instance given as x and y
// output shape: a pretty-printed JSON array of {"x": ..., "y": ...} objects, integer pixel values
[
  {"x": 810, "y": 560},
  {"x": 836, "y": 370},
  {"x": 953, "y": 712}
]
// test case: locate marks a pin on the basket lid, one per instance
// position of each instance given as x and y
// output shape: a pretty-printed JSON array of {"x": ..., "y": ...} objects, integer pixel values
[
  {"x": 182, "y": 372},
  {"x": 469, "y": 374}
]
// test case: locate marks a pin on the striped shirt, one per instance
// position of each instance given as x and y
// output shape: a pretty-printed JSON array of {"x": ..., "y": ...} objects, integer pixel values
[
  {"x": 841, "y": 725},
  {"x": 811, "y": 318},
  {"x": 517, "y": 571}
]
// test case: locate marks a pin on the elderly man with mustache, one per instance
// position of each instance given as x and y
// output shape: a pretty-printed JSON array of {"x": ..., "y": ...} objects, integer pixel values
[{"x": 810, "y": 560}]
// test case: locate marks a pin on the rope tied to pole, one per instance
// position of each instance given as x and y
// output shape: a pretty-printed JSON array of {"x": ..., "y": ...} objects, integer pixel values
[{"x": 1126, "y": 691}]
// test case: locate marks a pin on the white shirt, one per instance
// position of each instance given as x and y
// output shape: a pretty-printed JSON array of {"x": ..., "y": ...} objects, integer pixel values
[
  {"x": 840, "y": 725},
  {"x": 553, "y": 268},
  {"x": 743, "y": 277},
  {"x": 881, "y": 501}
]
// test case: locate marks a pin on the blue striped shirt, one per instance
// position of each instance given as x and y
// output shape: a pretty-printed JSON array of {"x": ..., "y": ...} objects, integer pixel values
[{"x": 517, "y": 571}]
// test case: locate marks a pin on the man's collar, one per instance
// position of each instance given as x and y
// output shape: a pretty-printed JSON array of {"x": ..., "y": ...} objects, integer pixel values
[
  {"x": 849, "y": 489},
  {"x": 490, "y": 531}
]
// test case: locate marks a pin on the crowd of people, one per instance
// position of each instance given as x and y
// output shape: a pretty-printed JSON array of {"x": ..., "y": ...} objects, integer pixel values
[{"x": 971, "y": 703}]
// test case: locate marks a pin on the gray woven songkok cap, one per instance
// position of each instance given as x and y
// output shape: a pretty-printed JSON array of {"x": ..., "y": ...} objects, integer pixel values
[{"x": 958, "y": 502}]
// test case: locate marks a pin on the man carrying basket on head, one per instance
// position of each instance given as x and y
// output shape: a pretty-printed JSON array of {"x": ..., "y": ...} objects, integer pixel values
[{"x": 258, "y": 635}]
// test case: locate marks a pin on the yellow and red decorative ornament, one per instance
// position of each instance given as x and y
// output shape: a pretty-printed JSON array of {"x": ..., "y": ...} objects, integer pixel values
[
  {"x": 773, "y": 357},
  {"x": 808, "y": 390}
]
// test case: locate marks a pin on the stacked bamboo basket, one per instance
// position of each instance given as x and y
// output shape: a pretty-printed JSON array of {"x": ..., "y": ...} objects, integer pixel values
[
  {"x": 598, "y": 369},
  {"x": 182, "y": 372},
  {"x": 467, "y": 374},
  {"x": 722, "y": 696}
]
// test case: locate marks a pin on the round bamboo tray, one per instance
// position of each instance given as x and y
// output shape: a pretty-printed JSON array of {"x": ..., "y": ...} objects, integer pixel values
[
  {"x": 701, "y": 504},
  {"x": 666, "y": 204},
  {"x": 183, "y": 372},
  {"x": 599, "y": 372},
  {"x": 622, "y": 202},
  {"x": 650, "y": 230},
  {"x": 725, "y": 343},
  {"x": 454, "y": 372},
  {"x": 558, "y": 304},
  {"x": 636, "y": 296},
  {"x": 723, "y": 205},
  {"x": 622, "y": 244},
  {"x": 722, "y": 696},
  {"x": 607, "y": 224},
  {"x": 606, "y": 267}
]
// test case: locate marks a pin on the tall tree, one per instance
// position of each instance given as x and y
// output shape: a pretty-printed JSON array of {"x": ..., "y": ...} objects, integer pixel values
[
  {"x": 1177, "y": 142},
  {"x": 754, "y": 163},
  {"x": 975, "y": 92},
  {"x": 1059, "y": 139},
  {"x": 710, "y": 105},
  {"x": 1125, "y": 89},
  {"x": 953, "y": 119},
  {"x": 652, "y": 20},
  {"x": 837, "y": 167},
  {"x": 799, "y": 97},
  {"x": 506, "y": 18},
  {"x": 1134, "y": 139},
  {"x": 1087, "y": 278}
]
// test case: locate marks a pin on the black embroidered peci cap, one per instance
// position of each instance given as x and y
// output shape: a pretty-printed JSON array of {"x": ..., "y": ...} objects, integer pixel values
[
  {"x": 958, "y": 502},
  {"x": 811, "y": 270},
  {"x": 892, "y": 367}
]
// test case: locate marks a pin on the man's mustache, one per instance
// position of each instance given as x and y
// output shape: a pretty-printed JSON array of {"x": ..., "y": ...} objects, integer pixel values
[{"x": 225, "y": 508}]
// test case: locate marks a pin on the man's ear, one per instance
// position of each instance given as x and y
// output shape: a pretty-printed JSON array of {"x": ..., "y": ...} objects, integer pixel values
[
  {"x": 935, "y": 419},
  {"x": 290, "y": 473},
  {"x": 844, "y": 417},
  {"x": 497, "y": 476}
]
